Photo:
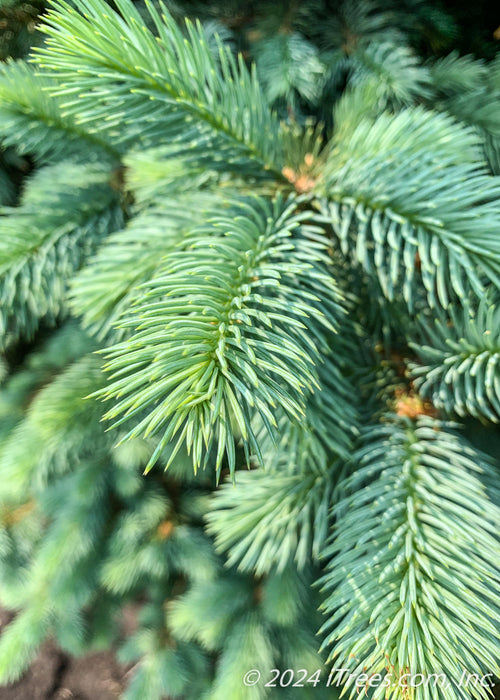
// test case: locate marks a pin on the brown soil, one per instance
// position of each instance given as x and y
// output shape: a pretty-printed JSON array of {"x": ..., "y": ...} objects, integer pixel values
[{"x": 55, "y": 676}]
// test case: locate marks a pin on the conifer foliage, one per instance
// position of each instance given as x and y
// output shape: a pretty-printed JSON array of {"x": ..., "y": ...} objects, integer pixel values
[{"x": 250, "y": 337}]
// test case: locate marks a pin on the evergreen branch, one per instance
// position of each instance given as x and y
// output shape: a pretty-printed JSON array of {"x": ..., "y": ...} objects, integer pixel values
[
  {"x": 408, "y": 202},
  {"x": 384, "y": 134},
  {"x": 466, "y": 89},
  {"x": 141, "y": 552},
  {"x": 290, "y": 68},
  {"x": 221, "y": 334},
  {"x": 109, "y": 284},
  {"x": 27, "y": 108},
  {"x": 240, "y": 618},
  {"x": 480, "y": 108},
  {"x": 60, "y": 423},
  {"x": 65, "y": 210},
  {"x": 368, "y": 47},
  {"x": 364, "y": 21},
  {"x": 274, "y": 515},
  {"x": 20, "y": 642},
  {"x": 165, "y": 670},
  {"x": 55, "y": 585},
  {"x": 167, "y": 173},
  {"x": 459, "y": 368},
  {"x": 413, "y": 570},
  {"x": 493, "y": 74},
  {"x": 63, "y": 347},
  {"x": 113, "y": 65},
  {"x": 272, "y": 518},
  {"x": 393, "y": 68},
  {"x": 455, "y": 75}
]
